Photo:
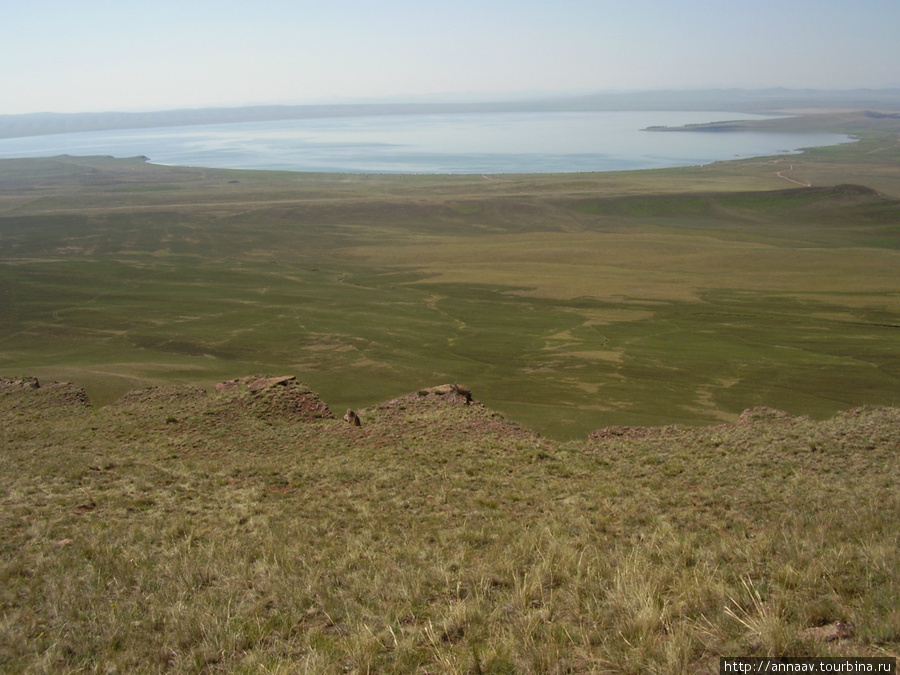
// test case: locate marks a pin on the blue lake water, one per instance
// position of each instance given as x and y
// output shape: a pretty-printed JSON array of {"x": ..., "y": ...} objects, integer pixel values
[{"x": 467, "y": 143}]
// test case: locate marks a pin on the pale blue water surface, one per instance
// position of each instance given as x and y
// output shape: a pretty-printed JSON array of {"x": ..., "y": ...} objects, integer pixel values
[{"x": 460, "y": 143}]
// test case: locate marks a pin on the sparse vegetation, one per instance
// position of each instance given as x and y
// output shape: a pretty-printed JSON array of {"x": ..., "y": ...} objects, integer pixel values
[
  {"x": 246, "y": 528},
  {"x": 436, "y": 537}
]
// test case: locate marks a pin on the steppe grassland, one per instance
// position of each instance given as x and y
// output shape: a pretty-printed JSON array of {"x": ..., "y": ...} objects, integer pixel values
[
  {"x": 568, "y": 301},
  {"x": 180, "y": 532}
]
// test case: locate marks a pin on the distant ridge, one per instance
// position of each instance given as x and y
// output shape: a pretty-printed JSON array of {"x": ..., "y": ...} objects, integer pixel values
[{"x": 737, "y": 100}]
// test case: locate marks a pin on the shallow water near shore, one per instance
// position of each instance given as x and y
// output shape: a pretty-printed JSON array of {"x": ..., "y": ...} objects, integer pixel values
[{"x": 471, "y": 143}]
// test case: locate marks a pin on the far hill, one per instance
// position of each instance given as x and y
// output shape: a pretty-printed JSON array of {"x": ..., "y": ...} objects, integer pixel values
[{"x": 737, "y": 100}]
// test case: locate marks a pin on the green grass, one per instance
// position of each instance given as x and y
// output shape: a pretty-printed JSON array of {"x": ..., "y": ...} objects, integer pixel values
[
  {"x": 570, "y": 301},
  {"x": 172, "y": 530}
]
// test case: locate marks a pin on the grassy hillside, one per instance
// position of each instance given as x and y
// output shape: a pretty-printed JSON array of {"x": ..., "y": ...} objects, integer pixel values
[
  {"x": 569, "y": 301},
  {"x": 247, "y": 530},
  {"x": 220, "y": 523}
]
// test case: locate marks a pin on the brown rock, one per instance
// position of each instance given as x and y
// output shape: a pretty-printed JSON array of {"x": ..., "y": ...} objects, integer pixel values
[
  {"x": 764, "y": 414},
  {"x": 26, "y": 382},
  {"x": 830, "y": 633},
  {"x": 450, "y": 390},
  {"x": 231, "y": 385},
  {"x": 266, "y": 382}
]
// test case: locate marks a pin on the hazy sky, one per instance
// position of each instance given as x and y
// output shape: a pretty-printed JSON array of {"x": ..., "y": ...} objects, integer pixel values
[{"x": 95, "y": 55}]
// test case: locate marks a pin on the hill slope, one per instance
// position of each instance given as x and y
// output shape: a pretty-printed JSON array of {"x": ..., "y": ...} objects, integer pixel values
[{"x": 250, "y": 529}]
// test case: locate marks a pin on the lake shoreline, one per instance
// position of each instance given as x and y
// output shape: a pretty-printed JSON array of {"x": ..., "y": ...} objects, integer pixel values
[{"x": 438, "y": 144}]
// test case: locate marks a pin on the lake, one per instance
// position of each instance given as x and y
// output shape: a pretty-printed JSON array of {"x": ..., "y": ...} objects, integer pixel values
[{"x": 460, "y": 143}]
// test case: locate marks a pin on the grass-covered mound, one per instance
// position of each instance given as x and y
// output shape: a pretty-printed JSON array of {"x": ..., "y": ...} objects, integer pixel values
[{"x": 250, "y": 529}]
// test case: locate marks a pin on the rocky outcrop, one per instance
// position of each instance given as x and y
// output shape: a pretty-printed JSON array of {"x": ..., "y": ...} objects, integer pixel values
[
  {"x": 452, "y": 394},
  {"x": 750, "y": 416},
  {"x": 232, "y": 385},
  {"x": 282, "y": 396},
  {"x": 441, "y": 412},
  {"x": 28, "y": 392},
  {"x": 764, "y": 414},
  {"x": 266, "y": 382},
  {"x": 831, "y": 632},
  {"x": 254, "y": 382},
  {"x": 26, "y": 382},
  {"x": 163, "y": 394}
]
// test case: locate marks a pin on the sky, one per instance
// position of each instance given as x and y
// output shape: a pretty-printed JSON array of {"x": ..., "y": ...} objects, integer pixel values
[{"x": 135, "y": 55}]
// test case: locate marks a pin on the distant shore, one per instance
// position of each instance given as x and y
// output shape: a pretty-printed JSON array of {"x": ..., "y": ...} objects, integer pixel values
[{"x": 768, "y": 101}]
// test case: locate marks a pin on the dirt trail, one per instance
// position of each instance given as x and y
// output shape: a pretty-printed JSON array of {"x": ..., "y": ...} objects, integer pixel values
[{"x": 780, "y": 174}]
